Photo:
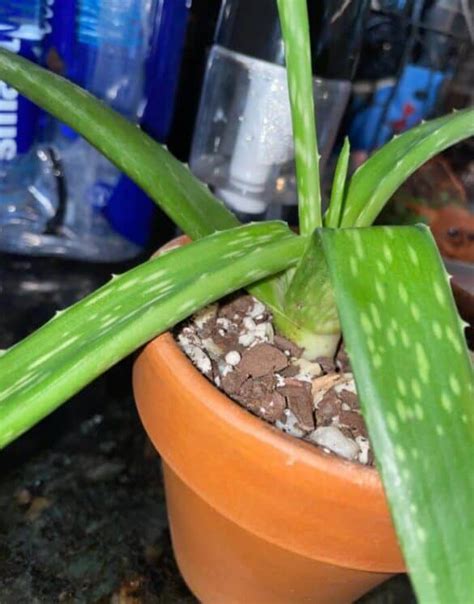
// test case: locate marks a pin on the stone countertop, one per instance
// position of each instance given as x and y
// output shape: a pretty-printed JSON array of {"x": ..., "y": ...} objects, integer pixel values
[{"x": 83, "y": 513}]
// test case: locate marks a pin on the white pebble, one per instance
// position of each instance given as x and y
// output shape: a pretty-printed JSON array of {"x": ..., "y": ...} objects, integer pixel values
[
  {"x": 258, "y": 309},
  {"x": 291, "y": 424},
  {"x": 224, "y": 323},
  {"x": 269, "y": 333},
  {"x": 280, "y": 380},
  {"x": 205, "y": 315},
  {"x": 249, "y": 324},
  {"x": 309, "y": 369},
  {"x": 246, "y": 339},
  {"x": 224, "y": 368},
  {"x": 364, "y": 446},
  {"x": 264, "y": 332},
  {"x": 333, "y": 439},
  {"x": 232, "y": 358},
  {"x": 197, "y": 355}
]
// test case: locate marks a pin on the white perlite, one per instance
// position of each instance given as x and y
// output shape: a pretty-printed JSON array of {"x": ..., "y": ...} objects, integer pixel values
[
  {"x": 308, "y": 370},
  {"x": 224, "y": 368},
  {"x": 364, "y": 446},
  {"x": 256, "y": 333},
  {"x": 291, "y": 424},
  {"x": 205, "y": 315},
  {"x": 233, "y": 358},
  {"x": 247, "y": 339},
  {"x": 257, "y": 309},
  {"x": 196, "y": 354},
  {"x": 333, "y": 439}
]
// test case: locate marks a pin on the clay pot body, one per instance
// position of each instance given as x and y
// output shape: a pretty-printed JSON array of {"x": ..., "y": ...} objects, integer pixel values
[{"x": 257, "y": 516}]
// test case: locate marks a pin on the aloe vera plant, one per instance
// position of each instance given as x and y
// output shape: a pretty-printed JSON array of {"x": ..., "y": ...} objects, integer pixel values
[{"x": 385, "y": 287}]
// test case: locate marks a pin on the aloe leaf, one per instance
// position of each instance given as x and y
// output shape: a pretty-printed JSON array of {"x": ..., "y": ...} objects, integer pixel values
[
  {"x": 187, "y": 201},
  {"x": 79, "y": 344},
  {"x": 415, "y": 381},
  {"x": 373, "y": 184},
  {"x": 295, "y": 29},
  {"x": 309, "y": 314},
  {"x": 292, "y": 298},
  {"x": 333, "y": 215}
]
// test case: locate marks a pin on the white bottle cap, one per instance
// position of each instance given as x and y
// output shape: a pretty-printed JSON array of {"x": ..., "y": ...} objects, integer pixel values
[{"x": 242, "y": 203}]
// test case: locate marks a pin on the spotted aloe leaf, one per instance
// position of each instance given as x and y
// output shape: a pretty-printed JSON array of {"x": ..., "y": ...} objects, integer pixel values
[
  {"x": 303, "y": 306},
  {"x": 187, "y": 201},
  {"x": 314, "y": 323},
  {"x": 333, "y": 216},
  {"x": 416, "y": 385},
  {"x": 79, "y": 344},
  {"x": 373, "y": 184},
  {"x": 295, "y": 29}
]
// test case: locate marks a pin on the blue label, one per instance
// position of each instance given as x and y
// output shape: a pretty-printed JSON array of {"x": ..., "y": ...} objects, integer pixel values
[
  {"x": 394, "y": 108},
  {"x": 163, "y": 67},
  {"x": 18, "y": 116},
  {"x": 130, "y": 212}
]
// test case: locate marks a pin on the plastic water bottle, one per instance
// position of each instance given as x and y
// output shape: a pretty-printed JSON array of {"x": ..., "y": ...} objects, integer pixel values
[
  {"x": 21, "y": 31},
  {"x": 113, "y": 38},
  {"x": 127, "y": 53},
  {"x": 102, "y": 46},
  {"x": 120, "y": 38}
]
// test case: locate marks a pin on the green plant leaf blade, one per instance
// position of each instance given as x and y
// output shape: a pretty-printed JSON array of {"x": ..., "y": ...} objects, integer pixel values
[
  {"x": 295, "y": 29},
  {"x": 309, "y": 315},
  {"x": 187, "y": 201},
  {"x": 373, "y": 184},
  {"x": 79, "y": 344},
  {"x": 415, "y": 382},
  {"x": 332, "y": 218}
]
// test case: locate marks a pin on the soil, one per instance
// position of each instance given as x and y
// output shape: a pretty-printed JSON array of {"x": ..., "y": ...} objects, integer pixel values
[{"x": 234, "y": 345}]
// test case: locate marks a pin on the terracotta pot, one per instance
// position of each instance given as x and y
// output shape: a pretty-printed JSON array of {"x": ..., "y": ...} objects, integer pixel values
[{"x": 257, "y": 516}]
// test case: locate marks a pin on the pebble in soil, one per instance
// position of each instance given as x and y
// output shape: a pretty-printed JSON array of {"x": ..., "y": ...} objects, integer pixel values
[{"x": 234, "y": 345}]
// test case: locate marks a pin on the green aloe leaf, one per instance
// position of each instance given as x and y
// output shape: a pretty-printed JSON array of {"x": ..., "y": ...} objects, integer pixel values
[
  {"x": 187, "y": 201},
  {"x": 415, "y": 381},
  {"x": 373, "y": 184},
  {"x": 79, "y": 344},
  {"x": 309, "y": 314},
  {"x": 332, "y": 218},
  {"x": 295, "y": 29}
]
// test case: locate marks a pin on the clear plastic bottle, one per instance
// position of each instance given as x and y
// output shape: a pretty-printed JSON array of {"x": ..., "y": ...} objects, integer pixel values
[
  {"x": 108, "y": 59},
  {"x": 121, "y": 36},
  {"x": 114, "y": 36},
  {"x": 21, "y": 31},
  {"x": 102, "y": 46},
  {"x": 242, "y": 144},
  {"x": 83, "y": 206}
]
